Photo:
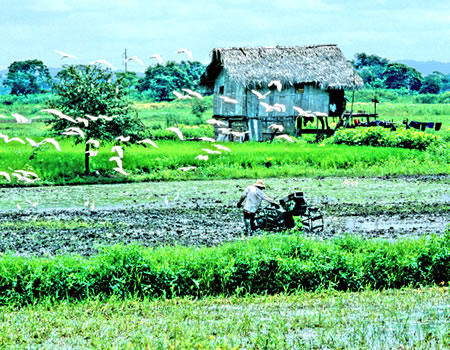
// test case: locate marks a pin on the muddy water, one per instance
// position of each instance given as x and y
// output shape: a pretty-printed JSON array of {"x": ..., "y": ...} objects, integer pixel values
[{"x": 205, "y": 213}]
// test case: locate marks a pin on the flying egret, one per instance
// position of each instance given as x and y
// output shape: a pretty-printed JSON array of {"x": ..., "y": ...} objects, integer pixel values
[
  {"x": 176, "y": 131},
  {"x": 6, "y": 175},
  {"x": 201, "y": 157},
  {"x": 53, "y": 142},
  {"x": 180, "y": 96},
  {"x": 207, "y": 139},
  {"x": 117, "y": 160},
  {"x": 95, "y": 143},
  {"x": 210, "y": 151},
  {"x": 276, "y": 83},
  {"x": 91, "y": 153},
  {"x": 270, "y": 108},
  {"x": 280, "y": 105},
  {"x": 121, "y": 171},
  {"x": 186, "y": 51},
  {"x": 104, "y": 62},
  {"x": 83, "y": 120},
  {"x": 32, "y": 142},
  {"x": 193, "y": 93},
  {"x": 157, "y": 57},
  {"x": 134, "y": 58},
  {"x": 33, "y": 204},
  {"x": 91, "y": 117},
  {"x": 223, "y": 148},
  {"x": 119, "y": 150},
  {"x": 216, "y": 122},
  {"x": 225, "y": 131},
  {"x": 150, "y": 142},
  {"x": 276, "y": 127},
  {"x": 59, "y": 114},
  {"x": 16, "y": 139},
  {"x": 74, "y": 131},
  {"x": 284, "y": 137},
  {"x": 299, "y": 110},
  {"x": 260, "y": 95},
  {"x": 227, "y": 99},
  {"x": 106, "y": 118},
  {"x": 123, "y": 138},
  {"x": 187, "y": 168},
  {"x": 65, "y": 55},
  {"x": 20, "y": 119}
]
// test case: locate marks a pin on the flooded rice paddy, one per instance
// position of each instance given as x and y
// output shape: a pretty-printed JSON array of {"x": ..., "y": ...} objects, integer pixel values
[{"x": 80, "y": 219}]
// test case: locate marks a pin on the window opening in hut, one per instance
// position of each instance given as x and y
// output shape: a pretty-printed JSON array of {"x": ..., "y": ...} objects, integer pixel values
[
  {"x": 300, "y": 88},
  {"x": 221, "y": 89}
]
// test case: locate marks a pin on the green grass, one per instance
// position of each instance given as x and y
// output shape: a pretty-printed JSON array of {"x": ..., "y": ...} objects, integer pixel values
[
  {"x": 390, "y": 319},
  {"x": 268, "y": 264}
]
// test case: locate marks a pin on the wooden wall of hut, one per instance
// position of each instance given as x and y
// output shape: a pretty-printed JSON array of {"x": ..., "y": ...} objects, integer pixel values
[{"x": 308, "y": 97}]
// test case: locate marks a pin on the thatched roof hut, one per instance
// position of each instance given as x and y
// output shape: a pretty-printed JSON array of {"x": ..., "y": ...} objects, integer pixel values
[
  {"x": 312, "y": 77},
  {"x": 257, "y": 66}
]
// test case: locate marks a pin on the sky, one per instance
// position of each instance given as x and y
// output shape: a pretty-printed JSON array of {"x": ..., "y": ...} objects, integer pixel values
[{"x": 103, "y": 29}]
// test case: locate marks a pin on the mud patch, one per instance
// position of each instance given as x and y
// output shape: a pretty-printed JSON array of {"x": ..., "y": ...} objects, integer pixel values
[{"x": 204, "y": 213}]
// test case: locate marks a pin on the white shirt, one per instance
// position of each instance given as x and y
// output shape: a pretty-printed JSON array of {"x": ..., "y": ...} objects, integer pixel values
[{"x": 253, "y": 198}]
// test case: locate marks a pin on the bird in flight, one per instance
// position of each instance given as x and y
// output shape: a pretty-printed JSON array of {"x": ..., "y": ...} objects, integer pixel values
[
  {"x": 59, "y": 114},
  {"x": 201, "y": 157},
  {"x": 186, "y": 51},
  {"x": 270, "y": 108},
  {"x": 134, "y": 58},
  {"x": 210, "y": 151},
  {"x": 104, "y": 62},
  {"x": 20, "y": 119},
  {"x": 193, "y": 93},
  {"x": 207, "y": 139},
  {"x": 299, "y": 110},
  {"x": 227, "y": 99},
  {"x": 276, "y": 127},
  {"x": 284, "y": 137},
  {"x": 281, "y": 106},
  {"x": 118, "y": 161},
  {"x": 74, "y": 131},
  {"x": 176, "y": 131},
  {"x": 119, "y": 150},
  {"x": 6, "y": 175},
  {"x": 65, "y": 55},
  {"x": 187, "y": 168},
  {"x": 180, "y": 96},
  {"x": 216, "y": 122},
  {"x": 223, "y": 148},
  {"x": 260, "y": 95},
  {"x": 91, "y": 153},
  {"x": 123, "y": 138},
  {"x": 276, "y": 83},
  {"x": 95, "y": 143},
  {"x": 150, "y": 142},
  {"x": 157, "y": 57}
]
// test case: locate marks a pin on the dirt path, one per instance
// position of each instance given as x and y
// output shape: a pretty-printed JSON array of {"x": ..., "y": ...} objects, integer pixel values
[{"x": 205, "y": 213}]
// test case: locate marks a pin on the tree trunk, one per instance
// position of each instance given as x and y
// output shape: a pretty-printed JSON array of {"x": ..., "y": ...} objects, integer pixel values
[{"x": 86, "y": 160}]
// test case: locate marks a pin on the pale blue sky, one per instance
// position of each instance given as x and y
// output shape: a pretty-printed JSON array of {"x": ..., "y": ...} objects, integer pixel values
[{"x": 97, "y": 29}]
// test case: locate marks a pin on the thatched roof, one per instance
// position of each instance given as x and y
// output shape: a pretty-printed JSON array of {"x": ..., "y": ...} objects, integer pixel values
[{"x": 257, "y": 66}]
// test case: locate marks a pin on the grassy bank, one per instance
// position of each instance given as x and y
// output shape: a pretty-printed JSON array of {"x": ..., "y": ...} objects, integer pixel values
[
  {"x": 261, "y": 265},
  {"x": 248, "y": 160},
  {"x": 406, "y": 318}
]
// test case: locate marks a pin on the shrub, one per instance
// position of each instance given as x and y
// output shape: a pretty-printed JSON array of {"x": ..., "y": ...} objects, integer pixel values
[
  {"x": 382, "y": 137},
  {"x": 261, "y": 265}
]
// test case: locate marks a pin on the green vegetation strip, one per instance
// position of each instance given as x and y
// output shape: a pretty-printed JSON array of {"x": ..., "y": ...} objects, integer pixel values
[
  {"x": 388, "y": 319},
  {"x": 247, "y": 160},
  {"x": 262, "y": 265}
]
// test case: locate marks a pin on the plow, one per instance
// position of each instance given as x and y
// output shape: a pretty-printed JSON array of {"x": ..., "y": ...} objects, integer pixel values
[{"x": 282, "y": 218}]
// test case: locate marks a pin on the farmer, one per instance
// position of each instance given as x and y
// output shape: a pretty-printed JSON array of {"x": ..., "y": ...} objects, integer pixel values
[{"x": 253, "y": 196}]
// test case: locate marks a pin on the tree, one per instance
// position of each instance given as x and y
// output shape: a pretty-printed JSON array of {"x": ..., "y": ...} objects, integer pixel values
[
  {"x": 28, "y": 77},
  {"x": 431, "y": 84},
  {"x": 371, "y": 69},
  {"x": 397, "y": 76},
  {"x": 161, "y": 80},
  {"x": 91, "y": 90}
]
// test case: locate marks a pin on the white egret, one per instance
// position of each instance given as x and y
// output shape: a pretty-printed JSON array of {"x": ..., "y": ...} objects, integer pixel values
[
  {"x": 227, "y": 99},
  {"x": 193, "y": 93},
  {"x": 104, "y": 62},
  {"x": 134, "y": 58},
  {"x": 150, "y": 142},
  {"x": 6, "y": 175},
  {"x": 65, "y": 55},
  {"x": 201, "y": 157},
  {"x": 223, "y": 148},
  {"x": 119, "y": 150},
  {"x": 216, "y": 122},
  {"x": 176, "y": 131},
  {"x": 276, "y": 83},
  {"x": 186, "y": 51},
  {"x": 157, "y": 57},
  {"x": 260, "y": 95},
  {"x": 284, "y": 137},
  {"x": 95, "y": 143},
  {"x": 123, "y": 138},
  {"x": 209, "y": 151}
]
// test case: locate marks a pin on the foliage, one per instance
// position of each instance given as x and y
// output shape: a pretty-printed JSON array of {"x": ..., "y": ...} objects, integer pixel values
[
  {"x": 90, "y": 90},
  {"x": 262, "y": 265},
  {"x": 161, "y": 80},
  {"x": 28, "y": 77},
  {"x": 397, "y": 75},
  {"x": 382, "y": 137},
  {"x": 431, "y": 84},
  {"x": 371, "y": 69}
]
